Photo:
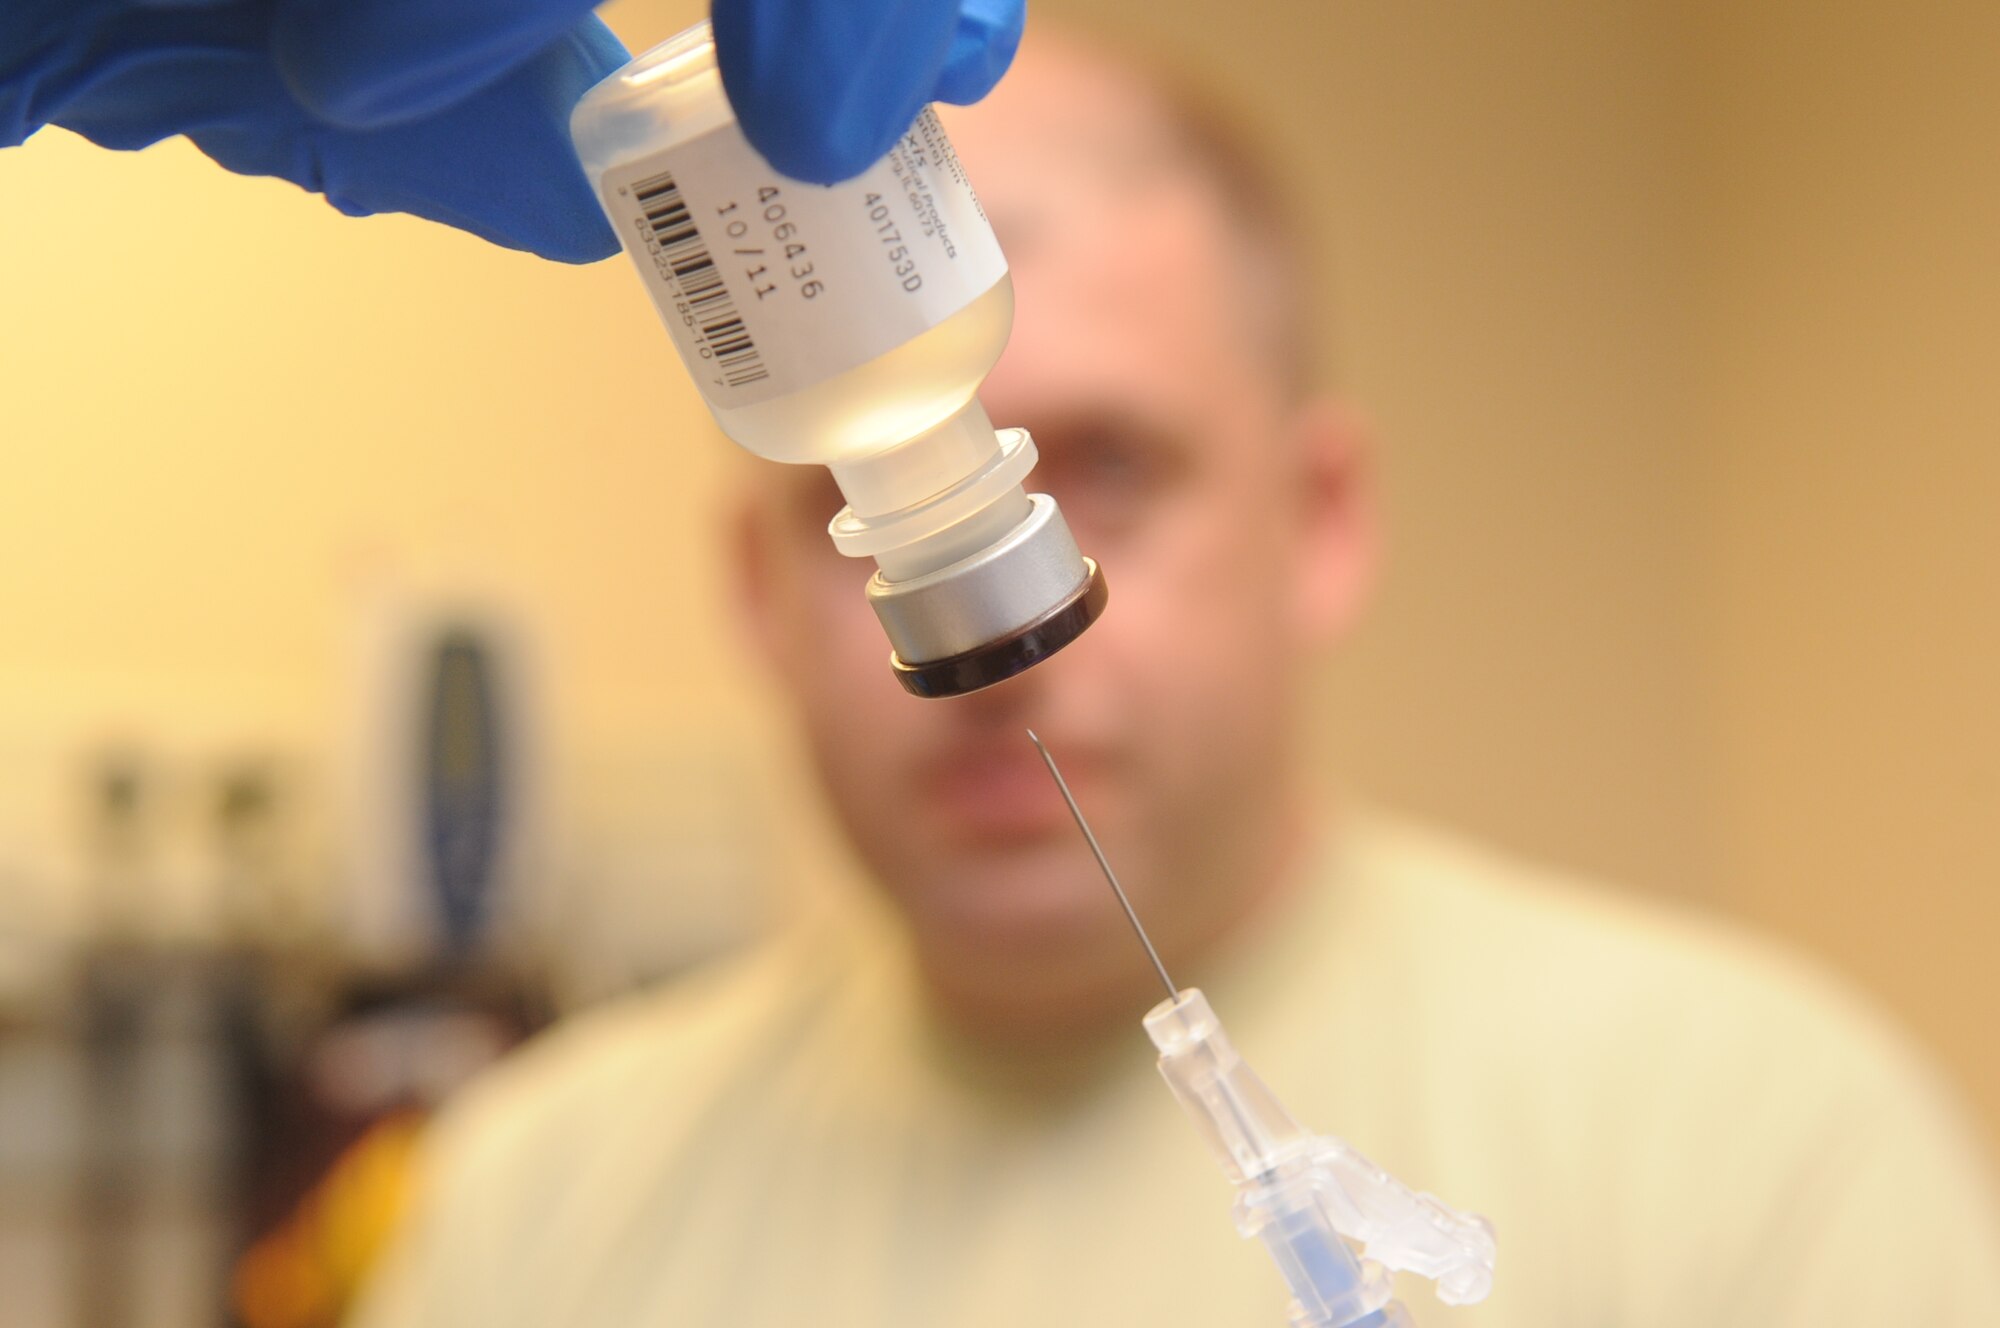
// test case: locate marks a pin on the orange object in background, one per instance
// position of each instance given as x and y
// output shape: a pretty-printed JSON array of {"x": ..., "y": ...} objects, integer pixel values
[
  {"x": 305, "y": 1273},
  {"x": 340, "y": 1127}
]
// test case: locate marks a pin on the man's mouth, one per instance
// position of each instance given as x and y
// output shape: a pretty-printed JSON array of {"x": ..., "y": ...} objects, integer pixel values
[{"x": 999, "y": 793}]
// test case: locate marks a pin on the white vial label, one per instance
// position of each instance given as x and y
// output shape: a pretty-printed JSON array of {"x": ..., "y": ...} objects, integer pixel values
[{"x": 769, "y": 285}]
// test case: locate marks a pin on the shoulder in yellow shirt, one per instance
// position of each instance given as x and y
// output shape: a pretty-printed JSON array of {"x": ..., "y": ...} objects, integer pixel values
[{"x": 1667, "y": 1125}]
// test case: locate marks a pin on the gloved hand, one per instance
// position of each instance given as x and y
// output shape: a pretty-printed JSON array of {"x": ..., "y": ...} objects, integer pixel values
[
  {"x": 456, "y": 110},
  {"x": 823, "y": 88}
]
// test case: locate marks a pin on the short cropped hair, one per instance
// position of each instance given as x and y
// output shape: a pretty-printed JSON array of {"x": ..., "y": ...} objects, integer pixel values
[
  {"x": 1221, "y": 145},
  {"x": 1274, "y": 249}
]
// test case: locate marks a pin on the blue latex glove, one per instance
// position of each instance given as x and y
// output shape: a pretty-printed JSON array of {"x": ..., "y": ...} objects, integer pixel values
[
  {"x": 456, "y": 110},
  {"x": 824, "y": 88}
]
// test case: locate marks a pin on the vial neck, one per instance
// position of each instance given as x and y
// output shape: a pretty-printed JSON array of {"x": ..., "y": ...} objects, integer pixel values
[
  {"x": 920, "y": 468},
  {"x": 979, "y": 530}
]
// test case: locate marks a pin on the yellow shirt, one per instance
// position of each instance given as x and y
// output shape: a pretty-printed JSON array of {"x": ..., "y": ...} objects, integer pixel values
[{"x": 1667, "y": 1126}]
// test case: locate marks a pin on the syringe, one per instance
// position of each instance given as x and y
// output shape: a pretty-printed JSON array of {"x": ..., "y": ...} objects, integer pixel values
[{"x": 1337, "y": 1225}]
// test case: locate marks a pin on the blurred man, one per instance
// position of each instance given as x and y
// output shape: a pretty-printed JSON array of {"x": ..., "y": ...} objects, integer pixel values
[{"x": 943, "y": 1113}]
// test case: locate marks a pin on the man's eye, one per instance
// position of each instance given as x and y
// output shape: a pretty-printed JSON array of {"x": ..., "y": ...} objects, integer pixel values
[
  {"x": 1104, "y": 490},
  {"x": 1109, "y": 466},
  {"x": 1112, "y": 466}
]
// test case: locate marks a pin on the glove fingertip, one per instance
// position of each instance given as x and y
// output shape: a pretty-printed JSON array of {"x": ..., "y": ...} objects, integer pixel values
[
  {"x": 812, "y": 157},
  {"x": 572, "y": 236},
  {"x": 824, "y": 91},
  {"x": 984, "y": 44},
  {"x": 590, "y": 241},
  {"x": 499, "y": 165}
]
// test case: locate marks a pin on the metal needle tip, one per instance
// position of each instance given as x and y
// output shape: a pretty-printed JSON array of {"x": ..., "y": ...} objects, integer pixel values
[{"x": 1098, "y": 852}]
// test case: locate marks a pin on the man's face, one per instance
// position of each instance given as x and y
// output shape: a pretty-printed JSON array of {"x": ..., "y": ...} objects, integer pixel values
[{"x": 1221, "y": 513}]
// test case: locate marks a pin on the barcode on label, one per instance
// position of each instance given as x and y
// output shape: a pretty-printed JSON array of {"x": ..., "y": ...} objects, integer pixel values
[{"x": 679, "y": 249}]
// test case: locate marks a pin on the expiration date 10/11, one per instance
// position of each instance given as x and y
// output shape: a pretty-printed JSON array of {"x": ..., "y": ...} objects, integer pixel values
[
  {"x": 891, "y": 235},
  {"x": 784, "y": 233}
]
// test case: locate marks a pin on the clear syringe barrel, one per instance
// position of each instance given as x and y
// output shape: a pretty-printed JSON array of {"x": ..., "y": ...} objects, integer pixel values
[{"x": 1334, "y": 1223}]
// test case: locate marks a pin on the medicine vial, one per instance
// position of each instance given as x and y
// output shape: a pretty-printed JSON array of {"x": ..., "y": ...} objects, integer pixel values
[{"x": 849, "y": 326}]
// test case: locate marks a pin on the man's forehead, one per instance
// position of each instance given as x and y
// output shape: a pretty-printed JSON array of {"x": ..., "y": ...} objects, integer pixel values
[
  {"x": 1057, "y": 75},
  {"x": 1116, "y": 245},
  {"x": 1065, "y": 109}
]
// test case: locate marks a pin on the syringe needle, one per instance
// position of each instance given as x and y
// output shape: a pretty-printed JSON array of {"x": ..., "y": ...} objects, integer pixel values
[{"x": 1109, "y": 875}]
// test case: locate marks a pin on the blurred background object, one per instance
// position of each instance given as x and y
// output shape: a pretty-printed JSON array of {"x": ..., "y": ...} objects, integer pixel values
[{"x": 347, "y": 563}]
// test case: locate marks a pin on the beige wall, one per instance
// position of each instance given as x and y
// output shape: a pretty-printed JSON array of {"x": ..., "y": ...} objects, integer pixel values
[
  {"x": 1678, "y": 327},
  {"x": 1850, "y": 352}
]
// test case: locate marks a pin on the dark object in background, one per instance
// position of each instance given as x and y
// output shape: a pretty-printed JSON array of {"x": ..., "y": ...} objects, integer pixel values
[{"x": 464, "y": 760}]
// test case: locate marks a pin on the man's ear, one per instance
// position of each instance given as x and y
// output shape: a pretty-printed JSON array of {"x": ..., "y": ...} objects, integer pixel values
[{"x": 1338, "y": 522}]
